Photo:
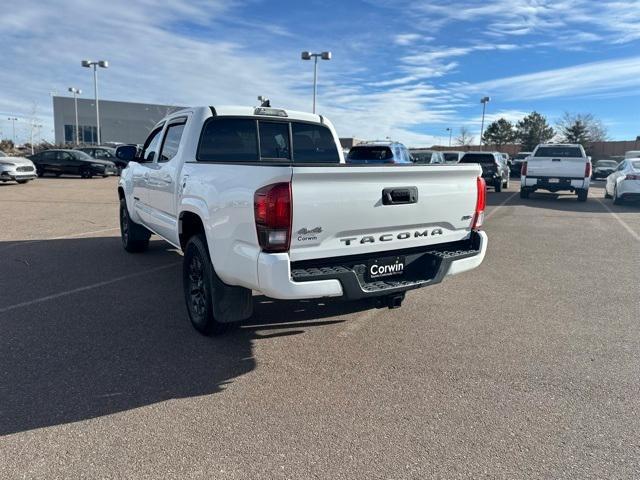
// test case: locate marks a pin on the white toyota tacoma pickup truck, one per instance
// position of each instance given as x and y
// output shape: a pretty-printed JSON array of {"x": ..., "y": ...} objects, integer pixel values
[
  {"x": 260, "y": 199},
  {"x": 556, "y": 167}
]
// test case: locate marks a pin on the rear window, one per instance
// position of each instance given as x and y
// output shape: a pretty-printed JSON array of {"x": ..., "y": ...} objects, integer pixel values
[
  {"x": 229, "y": 140},
  {"x": 567, "y": 152},
  {"x": 313, "y": 144},
  {"x": 478, "y": 158},
  {"x": 521, "y": 156},
  {"x": 606, "y": 163},
  {"x": 274, "y": 141},
  {"x": 370, "y": 153}
]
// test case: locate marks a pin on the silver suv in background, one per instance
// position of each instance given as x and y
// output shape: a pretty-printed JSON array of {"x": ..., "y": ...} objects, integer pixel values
[{"x": 379, "y": 152}]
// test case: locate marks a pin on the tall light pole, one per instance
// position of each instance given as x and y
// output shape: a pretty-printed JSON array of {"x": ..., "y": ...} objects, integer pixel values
[
  {"x": 307, "y": 56},
  {"x": 76, "y": 92},
  {"x": 483, "y": 101},
  {"x": 95, "y": 65},
  {"x": 449, "y": 130},
  {"x": 13, "y": 121}
]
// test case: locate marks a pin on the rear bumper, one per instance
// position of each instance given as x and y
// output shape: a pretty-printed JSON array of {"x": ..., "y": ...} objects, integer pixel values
[
  {"x": 563, "y": 184},
  {"x": 344, "y": 277},
  {"x": 629, "y": 190}
]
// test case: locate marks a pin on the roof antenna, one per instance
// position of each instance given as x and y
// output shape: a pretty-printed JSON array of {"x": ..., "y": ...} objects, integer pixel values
[{"x": 264, "y": 101}]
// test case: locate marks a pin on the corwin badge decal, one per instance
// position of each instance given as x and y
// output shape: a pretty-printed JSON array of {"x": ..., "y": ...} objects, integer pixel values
[{"x": 304, "y": 234}]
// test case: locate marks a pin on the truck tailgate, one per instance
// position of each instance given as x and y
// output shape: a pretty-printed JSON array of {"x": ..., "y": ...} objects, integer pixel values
[
  {"x": 350, "y": 210},
  {"x": 556, "y": 167}
]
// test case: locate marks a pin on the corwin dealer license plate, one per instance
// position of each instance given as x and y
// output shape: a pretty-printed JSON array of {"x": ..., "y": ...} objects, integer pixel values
[{"x": 382, "y": 268}]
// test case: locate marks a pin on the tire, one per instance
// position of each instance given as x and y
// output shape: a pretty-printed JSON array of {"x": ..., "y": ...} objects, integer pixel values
[
  {"x": 606, "y": 195},
  {"x": 39, "y": 172},
  {"x": 507, "y": 183},
  {"x": 135, "y": 238},
  {"x": 498, "y": 186},
  {"x": 86, "y": 173},
  {"x": 616, "y": 200},
  {"x": 524, "y": 193},
  {"x": 22, "y": 182},
  {"x": 583, "y": 194},
  {"x": 200, "y": 283}
]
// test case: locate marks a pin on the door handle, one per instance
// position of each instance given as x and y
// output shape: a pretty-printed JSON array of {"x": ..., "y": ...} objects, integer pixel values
[{"x": 399, "y": 196}]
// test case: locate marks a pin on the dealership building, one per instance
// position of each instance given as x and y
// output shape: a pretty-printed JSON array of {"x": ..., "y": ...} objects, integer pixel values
[{"x": 120, "y": 122}]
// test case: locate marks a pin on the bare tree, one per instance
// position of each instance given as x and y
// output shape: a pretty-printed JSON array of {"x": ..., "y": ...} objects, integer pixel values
[{"x": 464, "y": 137}]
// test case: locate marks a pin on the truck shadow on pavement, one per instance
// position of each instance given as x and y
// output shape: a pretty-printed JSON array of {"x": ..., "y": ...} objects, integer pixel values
[{"x": 113, "y": 334}]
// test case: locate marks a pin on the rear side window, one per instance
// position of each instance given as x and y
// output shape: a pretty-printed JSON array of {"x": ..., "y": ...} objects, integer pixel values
[
  {"x": 313, "y": 144},
  {"x": 274, "y": 141},
  {"x": 635, "y": 165},
  {"x": 478, "y": 158},
  {"x": 451, "y": 157},
  {"x": 229, "y": 140},
  {"x": 567, "y": 152}
]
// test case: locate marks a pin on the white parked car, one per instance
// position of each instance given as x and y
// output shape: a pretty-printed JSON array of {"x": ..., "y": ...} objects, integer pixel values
[
  {"x": 632, "y": 154},
  {"x": 556, "y": 167},
  {"x": 261, "y": 199},
  {"x": 624, "y": 183},
  {"x": 18, "y": 169}
]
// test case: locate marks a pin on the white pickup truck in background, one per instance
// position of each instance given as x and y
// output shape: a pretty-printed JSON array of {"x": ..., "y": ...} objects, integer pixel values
[
  {"x": 556, "y": 167},
  {"x": 259, "y": 199}
]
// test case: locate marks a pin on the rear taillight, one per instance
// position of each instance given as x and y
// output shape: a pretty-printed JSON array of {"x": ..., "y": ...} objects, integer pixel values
[
  {"x": 632, "y": 177},
  {"x": 272, "y": 208},
  {"x": 481, "y": 203},
  {"x": 587, "y": 169},
  {"x": 523, "y": 169}
]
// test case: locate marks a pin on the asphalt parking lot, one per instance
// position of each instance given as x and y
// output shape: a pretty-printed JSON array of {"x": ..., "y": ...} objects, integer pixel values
[{"x": 527, "y": 367}]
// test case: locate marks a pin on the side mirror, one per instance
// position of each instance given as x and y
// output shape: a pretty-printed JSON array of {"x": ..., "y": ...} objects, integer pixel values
[{"x": 127, "y": 152}]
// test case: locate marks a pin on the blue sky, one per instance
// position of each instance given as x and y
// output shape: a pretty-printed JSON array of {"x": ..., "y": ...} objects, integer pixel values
[{"x": 403, "y": 69}]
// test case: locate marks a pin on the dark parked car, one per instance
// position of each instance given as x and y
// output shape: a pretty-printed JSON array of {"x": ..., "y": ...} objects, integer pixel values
[
  {"x": 494, "y": 168},
  {"x": 105, "y": 153},
  {"x": 604, "y": 168},
  {"x": 516, "y": 163},
  {"x": 71, "y": 162}
]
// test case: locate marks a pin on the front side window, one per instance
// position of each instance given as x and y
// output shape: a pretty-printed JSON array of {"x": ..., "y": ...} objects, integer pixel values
[
  {"x": 313, "y": 144},
  {"x": 151, "y": 145},
  {"x": 274, "y": 140},
  {"x": 228, "y": 140},
  {"x": 171, "y": 141}
]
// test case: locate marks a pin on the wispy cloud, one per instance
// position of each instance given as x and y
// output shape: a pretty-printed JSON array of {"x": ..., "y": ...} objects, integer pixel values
[{"x": 611, "y": 76}]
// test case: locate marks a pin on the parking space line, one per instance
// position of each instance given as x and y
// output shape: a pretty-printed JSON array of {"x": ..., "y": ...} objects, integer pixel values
[
  {"x": 63, "y": 237},
  {"x": 488, "y": 215},
  {"x": 620, "y": 221},
  {"x": 84, "y": 288}
]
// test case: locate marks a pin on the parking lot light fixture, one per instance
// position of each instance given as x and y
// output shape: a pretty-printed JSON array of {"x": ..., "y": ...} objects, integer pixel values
[
  {"x": 13, "y": 121},
  {"x": 483, "y": 101},
  {"x": 76, "y": 92},
  {"x": 449, "y": 130},
  {"x": 308, "y": 56},
  {"x": 95, "y": 65}
]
